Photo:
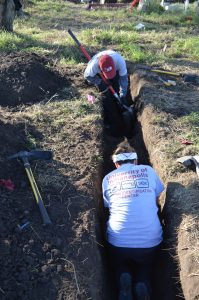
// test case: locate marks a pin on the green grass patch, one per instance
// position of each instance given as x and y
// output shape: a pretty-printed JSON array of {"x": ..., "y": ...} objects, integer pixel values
[
  {"x": 31, "y": 142},
  {"x": 191, "y": 119},
  {"x": 10, "y": 41},
  {"x": 191, "y": 122},
  {"x": 160, "y": 121},
  {"x": 45, "y": 31},
  {"x": 127, "y": 43},
  {"x": 188, "y": 46},
  {"x": 21, "y": 42},
  {"x": 73, "y": 107}
]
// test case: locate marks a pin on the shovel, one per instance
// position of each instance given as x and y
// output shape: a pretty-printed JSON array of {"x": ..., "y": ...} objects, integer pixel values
[
  {"x": 25, "y": 156},
  {"x": 127, "y": 112}
]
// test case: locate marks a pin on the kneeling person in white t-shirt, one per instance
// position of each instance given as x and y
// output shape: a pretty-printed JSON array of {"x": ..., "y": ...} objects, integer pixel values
[{"x": 134, "y": 232}]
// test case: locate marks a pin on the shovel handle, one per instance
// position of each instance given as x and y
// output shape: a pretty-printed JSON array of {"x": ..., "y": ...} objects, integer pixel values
[
  {"x": 74, "y": 37},
  {"x": 83, "y": 50}
]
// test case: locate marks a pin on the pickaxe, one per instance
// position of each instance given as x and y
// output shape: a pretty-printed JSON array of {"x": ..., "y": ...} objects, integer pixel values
[{"x": 25, "y": 156}]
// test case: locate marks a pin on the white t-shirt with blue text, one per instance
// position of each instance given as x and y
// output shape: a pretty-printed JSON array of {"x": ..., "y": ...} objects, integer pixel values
[{"x": 130, "y": 193}]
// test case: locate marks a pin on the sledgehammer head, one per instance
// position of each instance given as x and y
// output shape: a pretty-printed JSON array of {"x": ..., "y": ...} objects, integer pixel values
[{"x": 34, "y": 154}]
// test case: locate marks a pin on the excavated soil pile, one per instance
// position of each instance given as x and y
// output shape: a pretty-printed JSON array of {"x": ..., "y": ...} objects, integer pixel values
[
  {"x": 61, "y": 261},
  {"x": 25, "y": 78},
  {"x": 162, "y": 113},
  {"x": 55, "y": 262}
]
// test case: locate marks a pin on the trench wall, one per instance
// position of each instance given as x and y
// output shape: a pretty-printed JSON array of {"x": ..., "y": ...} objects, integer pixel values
[{"x": 179, "y": 202}]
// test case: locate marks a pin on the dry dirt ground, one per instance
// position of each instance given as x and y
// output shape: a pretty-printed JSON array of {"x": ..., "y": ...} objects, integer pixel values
[
  {"x": 160, "y": 110},
  {"x": 59, "y": 261},
  {"x": 67, "y": 260}
]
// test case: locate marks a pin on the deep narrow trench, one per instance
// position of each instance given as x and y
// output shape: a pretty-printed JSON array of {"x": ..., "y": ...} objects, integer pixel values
[{"x": 165, "y": 281}]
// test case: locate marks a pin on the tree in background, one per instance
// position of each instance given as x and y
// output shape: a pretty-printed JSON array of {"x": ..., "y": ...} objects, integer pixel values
[{"x": 8, "y": 9}]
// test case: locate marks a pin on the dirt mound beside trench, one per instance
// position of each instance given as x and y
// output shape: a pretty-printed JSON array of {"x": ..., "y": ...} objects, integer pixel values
[
  {"x": 160, "y": 113},
  {"x": 61, "y": 261},
  {"x": 25, "y": 78}
]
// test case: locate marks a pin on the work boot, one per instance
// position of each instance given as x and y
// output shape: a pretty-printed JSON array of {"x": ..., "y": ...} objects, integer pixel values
[
  {"x": 125, "y": 287},
  {"x": 141, "y": 291}
]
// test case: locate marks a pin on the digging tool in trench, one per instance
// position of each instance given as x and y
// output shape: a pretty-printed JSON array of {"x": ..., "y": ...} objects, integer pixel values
[
  {"x": 128, "y": 113},
  {"x": 24, "y": 156}
]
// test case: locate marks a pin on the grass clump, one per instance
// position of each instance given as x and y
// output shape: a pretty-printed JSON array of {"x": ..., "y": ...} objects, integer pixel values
[
  {"x": 191, "y": 119},
  {"x": 45, "y": 31},
  {"x": 159, "y": 120},
  {"x": 31, "y": 141},
  {"x": 124, "y": 42},
  {"x": 154, "y": 7},
  {"x": 188, "y": 46},
  {"x": 108, "y": 37},
  {"x": 10, "y": 41},
  {"x": 191, "y": 125}
]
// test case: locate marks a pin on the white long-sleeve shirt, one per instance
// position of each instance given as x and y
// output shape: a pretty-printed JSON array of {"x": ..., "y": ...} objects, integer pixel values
[{"x": 93, "y": 69}]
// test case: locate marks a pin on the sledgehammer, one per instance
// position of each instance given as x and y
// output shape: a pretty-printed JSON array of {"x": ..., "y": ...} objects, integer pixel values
[{"x": 32, "y": 155}]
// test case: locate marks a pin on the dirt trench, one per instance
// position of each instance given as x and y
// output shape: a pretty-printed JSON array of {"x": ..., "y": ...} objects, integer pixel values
[
  {"x": 68, "y": 260},
  {"x": 179, "y": 203},
  {"x": 164, "y": 283}
]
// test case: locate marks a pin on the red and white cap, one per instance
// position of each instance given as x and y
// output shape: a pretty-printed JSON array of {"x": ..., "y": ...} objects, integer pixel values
[{"x": 107, "y": 66}]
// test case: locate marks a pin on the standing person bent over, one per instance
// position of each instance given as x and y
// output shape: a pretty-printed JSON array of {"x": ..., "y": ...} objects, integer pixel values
[
  {"x": 113, "y": 66},
  {"x": 134, "y": 232}
]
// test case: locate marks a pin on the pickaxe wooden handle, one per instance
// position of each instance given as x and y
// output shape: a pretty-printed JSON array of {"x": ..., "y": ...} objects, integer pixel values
[
  {"x": 43, "y": 211},
  {"x": 35, "y": 154}
]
